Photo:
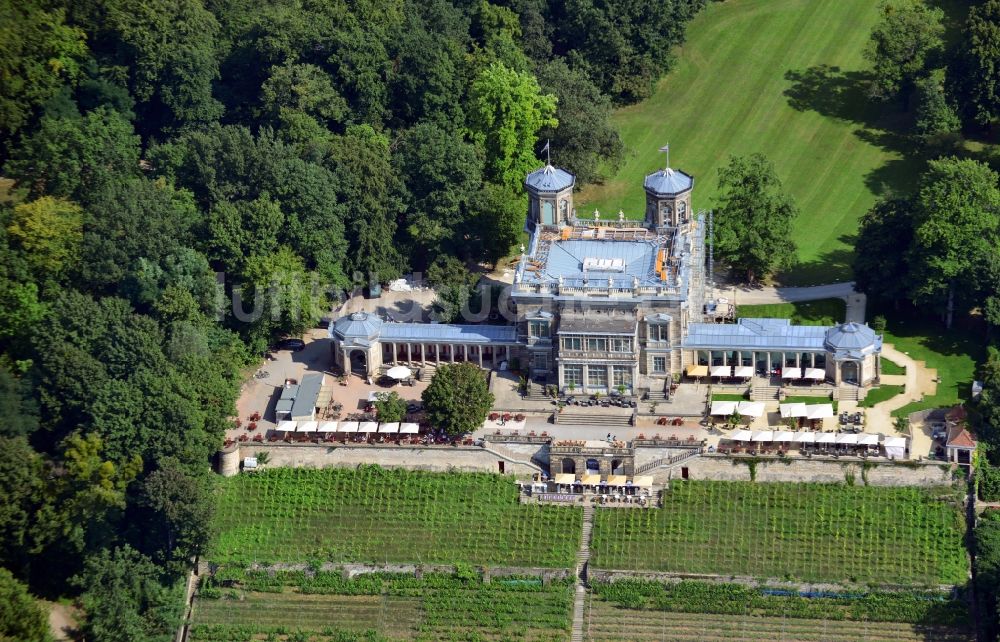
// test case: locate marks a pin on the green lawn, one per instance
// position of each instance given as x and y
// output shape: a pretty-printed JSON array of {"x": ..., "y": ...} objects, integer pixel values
[
  {"x": 812, "y": 532},
  {"x": 892, "y": 368},
  {"x": 781, "y": 77},
  {"x": 372, "y": 515},
  {"x": 728, "y": 397},
  {"x": 953, "y": 353},
  {"x": 821, "y": 312},
  {"x": 880, "y": 394}
]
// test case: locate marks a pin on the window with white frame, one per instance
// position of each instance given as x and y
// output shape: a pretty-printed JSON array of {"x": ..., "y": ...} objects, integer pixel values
[
  {"x": 597, "y": 377},
  {"x": 621, "y": 376},
  {"x": 573, "y": 375},
  {"x": 621, "y": 345},
  {"x": 659, "y": 332},
  {"x": 538, "y": 328},
  {"x": 659, "y": 365},
  {"x": 597, "y": 344},
  {"x": 572, "y": 343}
]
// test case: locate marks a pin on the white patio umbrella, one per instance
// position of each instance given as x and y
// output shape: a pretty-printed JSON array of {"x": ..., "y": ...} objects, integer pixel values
[
  {"x": 751, "y": 408},
  {"x": 792, "y": 410},
  {"x": 399, "y": 373},
  {"x": 348, "y": 426},
  {"x": 721, "y": 371},
  {"x": 308, "y": 426},
  {"x": 805, "y": 437},
  {"x": 391, "y": 427},
  {"x": 847, "y": 438},
  {"x": 328, "y": 426},
  {"x": 741, "y": 435},
  {"x": 287, "y": 426},
  {"x": 744, "y": 372},
  {"x": 819, "y": 411},
  {"x": 791, "y": 373},
  {"x": 763, "y": 435},
  {"x": 817, "y": 374},
  {"x": 868, "y": 439},
  {"x": 784, "y": 435},
  {"x": 409, "y": 428},
  {"x": 368, "y": 426},
  {"x": 724, "y": 408},
  {"x": 826, "y": 438},
  {"x": 895, "y": 447}
]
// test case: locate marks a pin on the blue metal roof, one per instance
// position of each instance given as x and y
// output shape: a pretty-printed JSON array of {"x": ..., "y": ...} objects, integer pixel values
[
  {"x": 448, "y": 333},
  {"x": 565, "y": 259},
  {"x": 756, "y": 334},
  {"x": 358, "y": 325},
  {"x": 668, "y": 181},
  {"x": 549, "y": 179},
  {"x": 852, "y": 340}
]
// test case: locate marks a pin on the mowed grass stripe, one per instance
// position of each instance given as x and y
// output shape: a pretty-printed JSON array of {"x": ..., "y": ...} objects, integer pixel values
[{"x": 726, "y": 96}]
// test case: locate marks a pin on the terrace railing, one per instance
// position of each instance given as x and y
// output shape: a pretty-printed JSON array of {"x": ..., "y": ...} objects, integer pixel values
[{"x": 668, "y": 461}]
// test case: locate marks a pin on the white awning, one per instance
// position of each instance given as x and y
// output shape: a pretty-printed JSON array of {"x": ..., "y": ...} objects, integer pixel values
[
  {"x": 721, "y": 371},
  {"x": 724, "y": 408},
  {"x": 805, "y": 437},
  {"x": 409, "y": 429},
  {"x": 814, "y": 373},
  {"x": 791, "y": 373},
  {"x": 368, "y": 426},
  {"x": 643, "y": 481},
  {"x": 740, "y": 435},
  {"x": 792, "y": 410},
  {"x": 826, "y": 438},
  {"x": 868, "y": 439},
  {"x": 391, "y": 427},
  {"x": 287, "y": 426},
  {"x": 763, "y": 435},
  {"x": 743, "y": 371},
  {"x": 895, "y": 447},
  {"x": 348, "y": 426},
  {"x": 308, "y": 426},
  {"x": 328, "y": 426},
  {"x": 820, "y": 411},
  {"x": 399, "y": 372},
  {"x": 751, "y": 408},
  {"x": 847, "y": 438},
  {"x": 565, "y": 478},
  {"x": 784, "y": 435}
]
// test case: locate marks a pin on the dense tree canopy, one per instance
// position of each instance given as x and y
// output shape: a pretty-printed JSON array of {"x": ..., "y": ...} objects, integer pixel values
[
  {"x": 753, "y": 221},
  {"x": 909, "y": 33},
  {"x": 194, "y": 179},
  {"x": 457, "y": 398}
]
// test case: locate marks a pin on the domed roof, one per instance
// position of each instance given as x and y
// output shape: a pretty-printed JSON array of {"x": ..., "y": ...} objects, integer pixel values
[
  {"x": 853, "y": 338},
  {"x": 358, "y": 325},
  {"x": 549, "y": 179},
  {"x": 664, "y": 182}
]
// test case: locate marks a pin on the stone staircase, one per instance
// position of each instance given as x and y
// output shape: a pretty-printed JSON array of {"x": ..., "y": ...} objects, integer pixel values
[
  {"x": 582, "y": 561},
  {"x": 848, "y": 393},
  {"x": 505, "y": 453},
  {"x": 764, "y": 393},
  {"x": 536, "y": 392},
  {"x": 590, "y": 416},
  {"x": 673, "y": 460},
  {"x": 425, "y": 373},
  {"x": 658, "y": 393}
]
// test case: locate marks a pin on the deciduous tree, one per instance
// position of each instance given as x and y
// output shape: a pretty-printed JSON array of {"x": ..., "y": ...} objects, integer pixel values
[
  {"x": 21, "y": 616},
  {"x": 908, "y": 35},
  {"x": 753, "y": 220},
  {"x": 457, "y": 398}
]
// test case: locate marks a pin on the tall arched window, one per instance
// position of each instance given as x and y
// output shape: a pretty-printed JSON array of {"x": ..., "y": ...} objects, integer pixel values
[
  {"x": 665, "y": 214},
  {"x": 564, "y": 209},
  {"x": 682, "y": 211}
]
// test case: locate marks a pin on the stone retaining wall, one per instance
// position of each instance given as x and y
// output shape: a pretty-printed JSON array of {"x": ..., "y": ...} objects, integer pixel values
[
  {"x": 884, "y": 473},
  {"x": 443, "y": 459}
]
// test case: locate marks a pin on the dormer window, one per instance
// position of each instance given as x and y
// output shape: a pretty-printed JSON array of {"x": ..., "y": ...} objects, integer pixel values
[
  {"x": 659, "y": 332},
  {"x": 538, "y": 328}
]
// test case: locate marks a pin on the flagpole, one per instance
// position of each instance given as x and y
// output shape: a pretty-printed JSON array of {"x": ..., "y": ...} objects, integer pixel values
[{"x": 548, "y": 153}]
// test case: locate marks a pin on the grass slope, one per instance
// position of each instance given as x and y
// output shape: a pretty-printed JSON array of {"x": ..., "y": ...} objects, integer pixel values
[
  {"x": 372, "y": 515},
  {"x": 811, "y": 532},
  {"x": 751, "y": 79}
]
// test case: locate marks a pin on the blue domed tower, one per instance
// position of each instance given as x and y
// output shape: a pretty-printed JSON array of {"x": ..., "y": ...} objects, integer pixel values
[
  {"x": 668, "y": 198},
  {"x": 550, "y": 196}
]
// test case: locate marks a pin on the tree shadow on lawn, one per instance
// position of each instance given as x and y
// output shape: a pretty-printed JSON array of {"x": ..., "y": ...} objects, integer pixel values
[
  {"x": 843, "y": 96},
  {"x": 829, "y": 267}
]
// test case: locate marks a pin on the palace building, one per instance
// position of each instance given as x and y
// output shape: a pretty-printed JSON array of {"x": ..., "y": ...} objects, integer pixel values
[{"x": 613, "y": 304}]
